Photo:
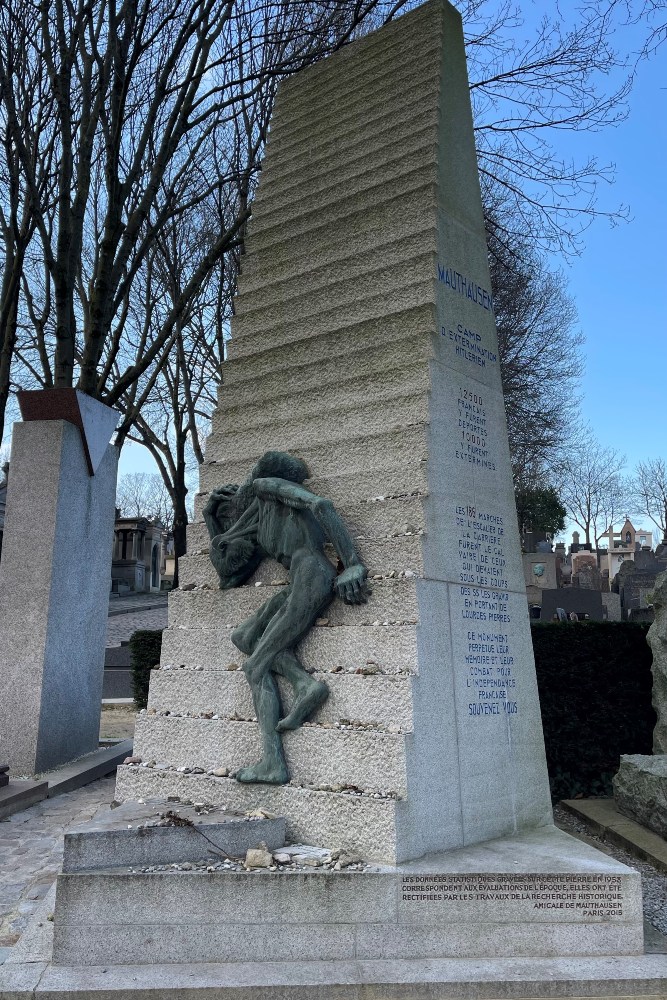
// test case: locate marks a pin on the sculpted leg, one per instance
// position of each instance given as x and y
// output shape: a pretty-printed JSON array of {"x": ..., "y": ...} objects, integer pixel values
[
  {"x": 310, "y": 590},
  {"x": 248, "y": 634},
  {"x": 309, "y": 693},
  {"x": 272, "y": 768}
]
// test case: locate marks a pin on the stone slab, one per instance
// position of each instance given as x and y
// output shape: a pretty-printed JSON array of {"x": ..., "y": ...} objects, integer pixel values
[
  {"x": 19, "y": 795},
  {"x": 604, "y": 819},
  {"x": 381, "y": 519},
  {"x": 394, "y": 600},
  {"x": 640, "y": 790},
  {"x": 642, "y": 978},
  {"x": 392, "y": 647},
  {"x": 18, "y": 982},
  {"x": 381, "y": 557},
  {"x": 356, "y": 823},
  {"x": 130, "y": 835},
  {"x": 36, "y": 941},
  {"x": 81, "y": 772},
  {"x": 371, "y": 699},
  {"x": 558, "y": 896}
]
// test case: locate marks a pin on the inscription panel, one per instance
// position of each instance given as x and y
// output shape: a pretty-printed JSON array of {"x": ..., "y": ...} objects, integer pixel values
[{"x": 521, "y": 896}]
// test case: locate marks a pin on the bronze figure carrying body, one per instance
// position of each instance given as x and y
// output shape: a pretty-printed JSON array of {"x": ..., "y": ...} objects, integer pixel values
[{"x": 272, "y": 514}]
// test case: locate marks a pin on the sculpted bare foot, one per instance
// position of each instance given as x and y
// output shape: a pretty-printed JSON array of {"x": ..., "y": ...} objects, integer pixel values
[
  {"x": 268, "y": 772},
  {"x": 307, "y": 701}
]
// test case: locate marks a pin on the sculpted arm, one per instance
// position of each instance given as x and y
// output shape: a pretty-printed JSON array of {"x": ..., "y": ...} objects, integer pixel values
[
  {"x": 349, "y": 585},
  {"x": 213, "y": 509}
]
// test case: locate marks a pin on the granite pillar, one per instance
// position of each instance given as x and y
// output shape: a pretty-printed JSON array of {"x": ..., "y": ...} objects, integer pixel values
[{"x": 54, "y": 586}]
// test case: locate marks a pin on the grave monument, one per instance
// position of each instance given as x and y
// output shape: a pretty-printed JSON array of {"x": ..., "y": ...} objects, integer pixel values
[
  {"x": 55, "y": 578},
  {"x": 363, "y": 346}
]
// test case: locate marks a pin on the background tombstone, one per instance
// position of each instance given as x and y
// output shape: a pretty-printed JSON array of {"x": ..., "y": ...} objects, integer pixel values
[{"x": 54, "y": 579}]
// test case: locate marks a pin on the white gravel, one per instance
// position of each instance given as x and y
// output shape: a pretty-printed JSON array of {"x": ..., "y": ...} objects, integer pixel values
[{"x": 654, "y": 881}]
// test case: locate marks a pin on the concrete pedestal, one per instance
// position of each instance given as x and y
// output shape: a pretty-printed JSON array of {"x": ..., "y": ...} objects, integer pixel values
[{"x": 54, "y": 590}]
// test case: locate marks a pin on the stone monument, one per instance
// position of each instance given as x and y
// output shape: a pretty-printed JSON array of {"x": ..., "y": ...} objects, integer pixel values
[
  {"x": 363, "y": 346},
  {"x": 640, "y": 786},
  {"x": 55, "y": 575}
]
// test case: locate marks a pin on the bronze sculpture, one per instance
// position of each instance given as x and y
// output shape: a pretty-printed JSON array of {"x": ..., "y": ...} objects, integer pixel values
[{"x": 272, "y": 514}]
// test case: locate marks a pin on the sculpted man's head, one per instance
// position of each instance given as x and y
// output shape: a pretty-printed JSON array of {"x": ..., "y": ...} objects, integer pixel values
[{"x": 280, "y": 465}]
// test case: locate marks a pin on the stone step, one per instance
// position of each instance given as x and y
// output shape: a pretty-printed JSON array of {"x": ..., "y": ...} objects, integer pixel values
[
  {"x": 379, "y": 556},
  {"x": 294, "y": 436},
  {"x": 364, "y": 758},
  {"x": 326, "y": 649},
  {"x": 391, "y": 601},
  {"x": 310, "y": 216},
  {"x": 343, "y": 489},
  {"x": 379, "y": 307},
  {"x": 370, "y": 464},
  {"x": 386, "y": 281},
  {"x": 357, "y": 113},
  {"x": 340, "y": 821},
  {"x": 357, "y": 233},
  {"x": 388, "y": 147},
  {"x": 383, "y": 519},
  {"x": 369, "y": 699},
  {"x": 385, "y": 152},
  {"x": 359, "y": 388},
  {"x": 371, "y": 338},
  {"x": 403, "y": 400},
  {"x": 313, "y": 96},
  {"x": 130, "y": 835},
  {"x": 271, "y": 285}
]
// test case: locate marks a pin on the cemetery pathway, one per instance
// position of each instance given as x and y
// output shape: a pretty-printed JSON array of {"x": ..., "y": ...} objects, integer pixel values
[
  {"x": 136, "y": 611},
  {"x": 31, "y": 851}
]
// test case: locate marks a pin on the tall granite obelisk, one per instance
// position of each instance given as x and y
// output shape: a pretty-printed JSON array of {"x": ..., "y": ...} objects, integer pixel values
[{"x": 364, "y": 342}]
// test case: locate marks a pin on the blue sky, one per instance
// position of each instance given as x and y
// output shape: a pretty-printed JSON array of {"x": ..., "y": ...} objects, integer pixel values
[{"x": 620, "y": 281}]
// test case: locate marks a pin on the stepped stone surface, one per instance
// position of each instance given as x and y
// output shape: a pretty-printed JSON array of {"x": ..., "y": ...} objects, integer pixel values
[
  {"x": 540, "y": 894},
  {"x": 392, "y": 649},
  {"x": 364, "y": 341},
  {"x": 372, "y": 761},
  {"x": 360, "y": 824},
  {"x": 368, "y": 699}
]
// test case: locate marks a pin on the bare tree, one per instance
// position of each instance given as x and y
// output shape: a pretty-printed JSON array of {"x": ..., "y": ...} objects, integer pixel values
[
  {"x": 142, "y": 494},
  {"x": 138, "y": 99},
  {"x": 529, "y": 84},
  {"x": 649, "y": 493},
  {"x": 592, "y": 486},
  {"x": 539, "y": 348}
]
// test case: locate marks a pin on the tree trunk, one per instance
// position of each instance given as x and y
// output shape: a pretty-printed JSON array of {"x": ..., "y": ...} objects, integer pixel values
[
  {"x": 8, "y": 329},
  {"x": 180, "y": 524}
]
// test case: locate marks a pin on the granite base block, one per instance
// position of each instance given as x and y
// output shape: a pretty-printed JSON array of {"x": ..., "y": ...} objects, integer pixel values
[
  {"x": 539, "y": 894},
  {"x": 129, "y": 835}
]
